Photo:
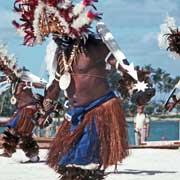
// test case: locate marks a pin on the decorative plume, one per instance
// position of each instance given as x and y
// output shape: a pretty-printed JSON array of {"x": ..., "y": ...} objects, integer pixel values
[
  {"x": 169, "y": 37},
  {"x": 51, "y": 61},
  {"x": 9, "y": 67},
  {"x": 39, "y": 18},
  {"x": 80, "y": 7},
  {"x": 4, "y": 86},
  {"x": 85, "y": 19},
  {"x": 8, "y": 63}
]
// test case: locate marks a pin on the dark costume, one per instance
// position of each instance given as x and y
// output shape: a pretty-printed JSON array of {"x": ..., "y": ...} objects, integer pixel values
[
  {"x": 20, "y": 131},
  {"x": 20, "y": 126}
]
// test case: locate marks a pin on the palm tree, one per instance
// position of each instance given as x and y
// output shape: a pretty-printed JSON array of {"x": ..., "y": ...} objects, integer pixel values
[{"x": 168, "y": 82}]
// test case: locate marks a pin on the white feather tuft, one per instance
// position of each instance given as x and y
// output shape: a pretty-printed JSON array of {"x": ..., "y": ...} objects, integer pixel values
[
  {"x": 9, "y": 60},
  {"x": 51, "y": 61},
  {"x": 5, "y": 85},
  {"x": 21, "y": 32},
  {"x": 170, "y": 23},
  {"x": 174, "y": 55},
  {"x": 79, "y": 8},
  {"x": 65, "y": 4},
  {"x": 37, "y": 14},
  {"x": 165, "y": 29},
  {"x": 29, "y": 77},
  {"x": 3, "y": 50},
  {"x": 82, "y": 20}
]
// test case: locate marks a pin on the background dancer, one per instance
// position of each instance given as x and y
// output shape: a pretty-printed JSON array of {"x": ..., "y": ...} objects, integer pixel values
[
  {"x": 169, "y": 39},
  {"x": 20, "y": 126}
]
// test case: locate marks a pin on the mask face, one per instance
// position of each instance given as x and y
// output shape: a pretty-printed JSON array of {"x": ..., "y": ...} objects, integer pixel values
[{"x": 49, "y": 23}]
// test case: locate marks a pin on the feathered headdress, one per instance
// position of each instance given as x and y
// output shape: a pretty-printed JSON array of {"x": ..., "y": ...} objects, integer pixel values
[
  {"x": 8, "y": 63},
  {"x": 9, "y": 67},
  {"x": 42, "y": 17},
  {"x": 169, "y": 37}
]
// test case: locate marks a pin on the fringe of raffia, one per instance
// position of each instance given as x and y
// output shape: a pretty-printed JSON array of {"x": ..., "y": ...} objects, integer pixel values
[
  {"x": 111, "y": 126},
  {"x": 10, "y": 141},
  {"x": 25, "y": 125},
  {"x": 58, "y": 144}
]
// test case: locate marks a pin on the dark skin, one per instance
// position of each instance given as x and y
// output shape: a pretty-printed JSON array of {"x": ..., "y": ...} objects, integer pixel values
[
  {"x": 23, "y": 97},
  {"x": 169, "y": 107},
  {"x": 89, "y": 76}
]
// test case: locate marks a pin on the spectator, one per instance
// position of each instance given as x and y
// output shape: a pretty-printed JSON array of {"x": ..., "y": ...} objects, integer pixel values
[{"x": 141, "y": 126}]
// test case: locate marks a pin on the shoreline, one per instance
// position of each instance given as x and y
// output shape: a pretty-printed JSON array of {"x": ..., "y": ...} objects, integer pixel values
[{"x": 130, "y": 119}]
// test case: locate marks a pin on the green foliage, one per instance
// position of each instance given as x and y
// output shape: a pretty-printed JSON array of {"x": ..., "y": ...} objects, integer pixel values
[
  {"x": 6, "y": 108},
  {"x": 149, "y": 109}
]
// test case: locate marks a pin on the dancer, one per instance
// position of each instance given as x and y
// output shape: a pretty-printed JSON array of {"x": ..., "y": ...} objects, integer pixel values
[
  {"x": 20, "y": 125},
  {"x": 169, "y": 39},
  {"x": 93, "y": 134}
]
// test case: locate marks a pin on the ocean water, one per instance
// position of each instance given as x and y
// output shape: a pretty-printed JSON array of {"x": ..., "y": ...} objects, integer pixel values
[{"x": 159, "y": 130}]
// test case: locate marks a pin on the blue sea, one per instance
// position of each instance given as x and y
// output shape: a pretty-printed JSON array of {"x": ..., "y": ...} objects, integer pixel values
[{"x": 159, "y": 130}]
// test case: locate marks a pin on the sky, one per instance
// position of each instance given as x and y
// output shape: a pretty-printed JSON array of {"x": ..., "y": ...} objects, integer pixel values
[{"x": 134, "y": 23}]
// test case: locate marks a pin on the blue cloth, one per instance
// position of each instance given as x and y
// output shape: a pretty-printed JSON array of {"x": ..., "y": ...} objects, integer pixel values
[
  {"x": 86, "y": 150},
  {"x": 13, "y": 122}
]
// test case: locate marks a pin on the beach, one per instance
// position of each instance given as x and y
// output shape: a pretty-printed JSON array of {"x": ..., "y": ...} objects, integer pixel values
[{"x": 142, "y": 164}]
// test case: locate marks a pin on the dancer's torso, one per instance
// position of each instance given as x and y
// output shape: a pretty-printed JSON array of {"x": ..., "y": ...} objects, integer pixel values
[{"x": 88, "y": 81}]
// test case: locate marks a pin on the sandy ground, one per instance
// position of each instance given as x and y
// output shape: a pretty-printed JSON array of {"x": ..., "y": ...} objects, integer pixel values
[{"x": 142, "y": 164}]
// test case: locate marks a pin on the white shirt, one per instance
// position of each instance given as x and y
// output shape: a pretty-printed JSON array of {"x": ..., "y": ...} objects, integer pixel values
[{"x": 140, "y": 121}]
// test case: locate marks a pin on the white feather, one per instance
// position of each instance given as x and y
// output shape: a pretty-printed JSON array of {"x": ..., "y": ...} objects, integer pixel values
[
  {"x": 165, "y": 29},
  {"x": 21, "y": 32},
  {"x": 5, "y": 85},
  {"x": 51, "y": 61},
  {"x": 78, "y": 8},
  {"x": 37, "y": 14},
  {"x": 81, "y": 21},
  {"x": 29, "y": 77},
  {"x": 170, "y": 23},
  {"x": 65, "y": 4},
  {"x": 174, "y": 55}
]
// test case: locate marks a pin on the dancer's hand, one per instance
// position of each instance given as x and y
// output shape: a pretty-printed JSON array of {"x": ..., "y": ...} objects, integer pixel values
[
  {"x": 141, "y": 98},
  {"x": 44, "y": 121}
]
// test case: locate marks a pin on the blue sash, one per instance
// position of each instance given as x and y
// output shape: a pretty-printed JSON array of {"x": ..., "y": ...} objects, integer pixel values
[
  {"x": 13, "y": 122},
  {"x": 86, "y": 150}
]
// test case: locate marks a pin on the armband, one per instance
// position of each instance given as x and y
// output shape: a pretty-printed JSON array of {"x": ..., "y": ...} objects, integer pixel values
[
  {"x": 56, "y": 79},
  {"x": 57, "y": 76}
]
